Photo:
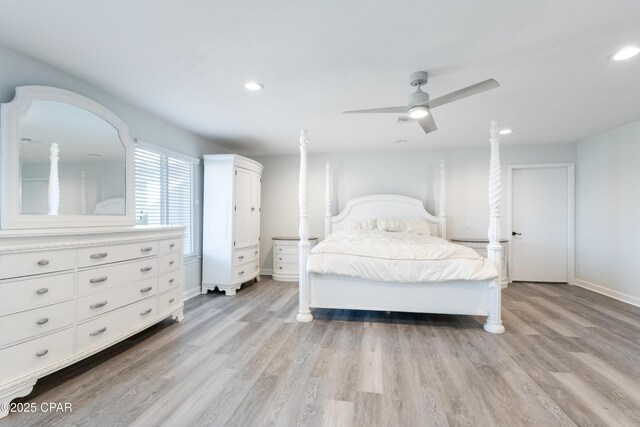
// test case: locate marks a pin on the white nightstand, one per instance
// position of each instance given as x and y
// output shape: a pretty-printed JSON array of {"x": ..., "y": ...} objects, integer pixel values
[
  {"x": 285, "y": 258},
  {"x": 480, "y": 246}
]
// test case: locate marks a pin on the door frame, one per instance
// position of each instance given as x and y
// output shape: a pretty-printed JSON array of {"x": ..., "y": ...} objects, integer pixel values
[{"x": 571, "y": 216}]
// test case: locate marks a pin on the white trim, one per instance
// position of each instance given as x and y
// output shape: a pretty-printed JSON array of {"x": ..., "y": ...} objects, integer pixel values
[
  {"x": 266, "y": 271},
  {"x": 571, "y": 215},
  {"x": 190, "y": 259},
  {"x": 146, "y": 145},
  {"x": 190, "y": 293},
  {"x": 611, "y": 293}
]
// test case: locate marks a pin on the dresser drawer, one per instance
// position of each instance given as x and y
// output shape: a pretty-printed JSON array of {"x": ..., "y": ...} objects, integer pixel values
[
  {"x": 170, "y": 245},
  {"x": 283, "y": 268},
  {"x": 286, "y": 258},
  {"x": 25, "y": 294},
  {"x": 27, "y": 324},
  {"x": 286, "y": 249},
  {"x": 243, "y": 256},
  {"x": 116, "y": 323},
  {"x": 34, "y": 355},
  {"x": 169, "y": 262},
  {"x": 99, "y": 255},
  {"x": 247, "y": 271},
  {"x": 170, "y": 281},
  {"x": 116, "y": 297},
  {"x": 169, "y": 301},
  {"x": 30, "y": 263},
  {"x": 101, "y": 278}
]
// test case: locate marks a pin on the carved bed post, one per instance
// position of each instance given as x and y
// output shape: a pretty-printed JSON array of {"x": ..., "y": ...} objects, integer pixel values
[
  {"x": 442, "y": 201},
  {"x": 328, "y": 201},
  {"x": 494, "y": 248},
  {"x": 304, "y": 314}
]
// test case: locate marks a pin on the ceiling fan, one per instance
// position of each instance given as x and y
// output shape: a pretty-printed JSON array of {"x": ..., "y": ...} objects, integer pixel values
[{"x": 420, "y": 106}]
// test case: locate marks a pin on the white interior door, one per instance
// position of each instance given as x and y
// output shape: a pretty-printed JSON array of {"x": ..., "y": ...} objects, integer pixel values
[{"x": 539, "y": 224}]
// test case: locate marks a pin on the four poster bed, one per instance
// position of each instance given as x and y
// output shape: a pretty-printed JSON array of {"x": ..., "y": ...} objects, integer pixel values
[{"x": 363, "y": 269}]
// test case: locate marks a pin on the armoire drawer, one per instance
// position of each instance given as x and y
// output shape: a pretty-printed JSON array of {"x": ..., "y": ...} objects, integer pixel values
[
  {"x": 169, "y": 245},
  {"x": 246, "y": 270},
  {"x": 169, "y": 300},
  {"x": 20, "y": 326},
  {"x": 243, "y": 256},
  {"x": 25, "y": 294},
  {"x": 170, "y": 281},
  {"x": 169, "y": 262},
  {"x": 34, "y": 355},
  {"x": 116, "y": 297},
  {"x": 105, "y": 277},
  {"x": 111, "y": 325},
  {"x": 30, "y": 263},
  {"x": 98, "y": 255}
]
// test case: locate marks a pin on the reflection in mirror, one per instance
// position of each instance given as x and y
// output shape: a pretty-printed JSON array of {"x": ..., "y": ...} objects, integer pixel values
[{"x": 82, "y": 150}]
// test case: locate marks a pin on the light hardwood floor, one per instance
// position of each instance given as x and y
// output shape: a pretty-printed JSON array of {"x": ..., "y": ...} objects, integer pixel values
[{"x": 569, "y": 357}]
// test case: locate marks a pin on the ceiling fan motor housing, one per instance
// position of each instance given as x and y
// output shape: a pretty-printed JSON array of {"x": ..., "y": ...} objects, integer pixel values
[
  {"x": 419, "y": 78},
  {"x": 418, "y": 98}
]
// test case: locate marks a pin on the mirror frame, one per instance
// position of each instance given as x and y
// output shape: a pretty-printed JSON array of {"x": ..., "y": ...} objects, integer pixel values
[{"x": 10, "y": 115}]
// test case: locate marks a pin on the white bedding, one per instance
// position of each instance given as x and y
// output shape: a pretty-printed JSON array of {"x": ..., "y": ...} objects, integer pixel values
[{"x": 397, "y": 257}]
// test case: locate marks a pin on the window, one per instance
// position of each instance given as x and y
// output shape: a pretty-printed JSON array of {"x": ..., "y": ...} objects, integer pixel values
[{"x": 167, "y": 191}]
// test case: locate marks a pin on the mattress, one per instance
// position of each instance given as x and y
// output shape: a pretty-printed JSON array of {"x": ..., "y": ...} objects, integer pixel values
[{"x": 397, "y": 257}]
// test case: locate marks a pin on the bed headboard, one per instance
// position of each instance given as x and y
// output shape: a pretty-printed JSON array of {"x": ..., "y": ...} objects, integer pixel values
[{"x": 380, "y": 206}]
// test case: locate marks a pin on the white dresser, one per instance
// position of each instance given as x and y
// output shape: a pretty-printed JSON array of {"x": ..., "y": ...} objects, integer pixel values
[
  {"x": 231, "y": 222},
  {"x": 480, "y": 246},
  {"x": 67, "y": 294},
  {"x": 285, "y": 257}
]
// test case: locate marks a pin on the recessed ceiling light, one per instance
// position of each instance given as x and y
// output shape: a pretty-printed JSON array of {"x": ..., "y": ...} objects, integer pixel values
[
  {"x": 626, "y": 53},
  {"x": 253, "y": 86},
  {"x": 505, "y": 131},
  {"x": 400, "y": 141}
]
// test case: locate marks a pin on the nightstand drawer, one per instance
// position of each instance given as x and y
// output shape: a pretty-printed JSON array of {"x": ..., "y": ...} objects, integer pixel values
[{"x": 286, "y": 259}]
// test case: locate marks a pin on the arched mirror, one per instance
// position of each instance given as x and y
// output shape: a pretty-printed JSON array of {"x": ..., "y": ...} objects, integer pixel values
[{"x": 67, "y": 162}]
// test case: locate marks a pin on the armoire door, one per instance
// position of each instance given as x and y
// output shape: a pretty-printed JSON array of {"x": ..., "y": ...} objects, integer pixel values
[
  {"x": 255, "y": 206},
  {"x": 243, "y": 219}
]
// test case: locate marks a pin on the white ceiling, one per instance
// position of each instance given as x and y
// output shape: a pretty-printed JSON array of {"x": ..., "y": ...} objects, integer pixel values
[{"x": 186, "y": 61}]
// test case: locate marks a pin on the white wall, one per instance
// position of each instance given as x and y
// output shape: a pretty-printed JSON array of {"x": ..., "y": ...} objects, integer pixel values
[
  {"x": 19, "y": 70},
  {"x": 607, "y": 213},
  {"x": 411, "y": 173}
]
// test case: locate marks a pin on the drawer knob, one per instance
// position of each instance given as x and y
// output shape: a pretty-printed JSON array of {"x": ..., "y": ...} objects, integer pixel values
[
  {"x": 144, "y": 313},
  {"x": 98, "y": 304},
  {"x": 240, "y": 273},
  {"x": 255, "y": 253},
  {"x": 43, "y": 262},
  {"x": 42, "y": 321},
  {"x": 42, "y": 291},
  {"x": 145, "y": 269},
  {"x": 98, "y": 332},
  {"x": 171, "y": 280},
  {"x": 241, "y": 257},
  {"x": 172, "y": 245},
  {"x": 99, "y": 255},
  {"x": 145, "y": 290},
  {"x": 280, "y": 258},
  {"x": 98, "y": 279},
  {"x": 280, "y": 268},
  {"x": 171, "y": 262},
  {"x": 171, "y": 300},
  {"x": 146, "y": 249},
  {"x": 42, "y": 352}
]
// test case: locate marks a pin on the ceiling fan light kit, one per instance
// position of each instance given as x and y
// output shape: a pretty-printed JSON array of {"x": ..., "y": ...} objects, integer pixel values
[{"x": 420, "y": 105}]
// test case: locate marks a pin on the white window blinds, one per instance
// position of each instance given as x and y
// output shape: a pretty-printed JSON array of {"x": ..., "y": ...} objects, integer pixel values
[{"x": 167, "y": 191}]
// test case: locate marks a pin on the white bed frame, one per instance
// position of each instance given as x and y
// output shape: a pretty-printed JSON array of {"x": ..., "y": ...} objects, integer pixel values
[{"x": 470, "y": 297}]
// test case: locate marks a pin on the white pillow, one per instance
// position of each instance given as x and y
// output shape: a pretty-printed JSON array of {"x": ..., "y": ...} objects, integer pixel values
[
  {"x": 417, "y": 226},
  {"x": 391, "y": 224},
  {"x": 367, "y": 224}
]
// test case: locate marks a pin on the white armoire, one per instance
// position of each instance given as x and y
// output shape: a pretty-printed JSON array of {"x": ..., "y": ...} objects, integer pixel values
[{"x": 231, "y": 222}]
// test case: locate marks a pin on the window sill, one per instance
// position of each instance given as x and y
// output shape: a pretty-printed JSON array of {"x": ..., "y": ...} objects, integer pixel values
[{"x": 190, "y": 259}]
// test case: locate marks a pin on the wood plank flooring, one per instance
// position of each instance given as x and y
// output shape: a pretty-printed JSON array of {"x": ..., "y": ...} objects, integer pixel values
[{"x": 569, "y": 357}]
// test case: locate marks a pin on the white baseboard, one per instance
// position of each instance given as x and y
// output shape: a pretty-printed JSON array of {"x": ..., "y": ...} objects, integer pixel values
[
  {"x": 266, "y": 272},
  {"x": 629, "y": 299},
  {"x": 190, "y": 293}
]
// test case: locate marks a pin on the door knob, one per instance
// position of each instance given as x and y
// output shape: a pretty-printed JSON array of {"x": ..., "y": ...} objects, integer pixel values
[{"x": 513, "y": 233}]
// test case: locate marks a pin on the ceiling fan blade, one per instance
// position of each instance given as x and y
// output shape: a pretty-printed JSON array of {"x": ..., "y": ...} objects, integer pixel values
[
  {"x": 463, "y": 93},
  {"x": 427, "y": 123},
  {"x": 379, "y": 110}
]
